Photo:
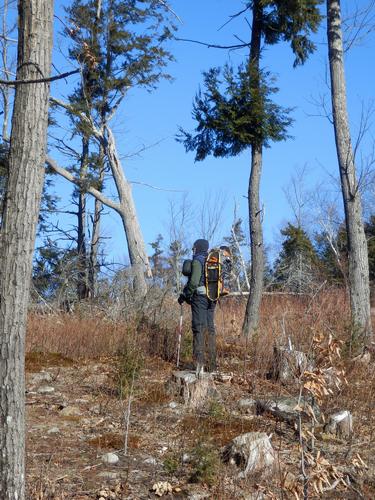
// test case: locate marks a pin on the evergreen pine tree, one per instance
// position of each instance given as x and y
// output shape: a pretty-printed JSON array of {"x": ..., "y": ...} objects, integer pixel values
[
  {"x": 235, "y": 112},
  {"x": 296, "y": 268},
  {"x": 119, "y": 45}
]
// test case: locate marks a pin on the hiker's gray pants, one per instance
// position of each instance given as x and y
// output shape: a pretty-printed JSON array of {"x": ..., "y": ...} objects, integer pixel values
[{"x": 203, "y": 311}]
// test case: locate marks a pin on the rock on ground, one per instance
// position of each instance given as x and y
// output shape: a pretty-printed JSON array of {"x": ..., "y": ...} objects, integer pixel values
[
  {"x": 110, "y": 458},
  {"x": 285, "y": 408}
]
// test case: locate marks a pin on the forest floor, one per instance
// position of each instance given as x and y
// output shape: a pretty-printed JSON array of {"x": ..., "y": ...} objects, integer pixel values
[{"x": 81, "y": 408}]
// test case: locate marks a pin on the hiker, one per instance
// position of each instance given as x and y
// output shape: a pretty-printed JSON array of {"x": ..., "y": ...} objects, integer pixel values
[{"x": 202, "y": 309}]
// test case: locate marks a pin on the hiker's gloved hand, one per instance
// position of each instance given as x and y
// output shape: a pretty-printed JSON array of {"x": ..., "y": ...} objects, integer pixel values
[{"x": 181, "y": 299}]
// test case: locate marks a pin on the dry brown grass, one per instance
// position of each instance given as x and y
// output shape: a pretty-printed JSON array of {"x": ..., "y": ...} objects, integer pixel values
[
  {"x": 62, "y": 340},
  {"x": 83, "y": 336},
  {"x": 74, "y": 336}
]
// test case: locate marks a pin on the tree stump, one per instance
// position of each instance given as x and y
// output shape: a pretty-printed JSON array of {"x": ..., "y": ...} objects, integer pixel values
[
  {"x": 340, "y": 424},
  {"x": 253, "y": 452},
  {"x": 288, "y": 363},
  {"x": 194, "y": 390}
]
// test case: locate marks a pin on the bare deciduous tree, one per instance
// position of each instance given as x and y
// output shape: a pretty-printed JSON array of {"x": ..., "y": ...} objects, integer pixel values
[
  {"x": 357, "y": 247},
  {"x": 21, "y": 209}
]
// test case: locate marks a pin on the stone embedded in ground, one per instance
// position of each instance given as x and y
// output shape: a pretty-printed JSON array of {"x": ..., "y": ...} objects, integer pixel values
[
  {"x": 258, "y": 495},
  {"x": 109, "y": 475},
  {"x": 53, "y": 430},
  {"x": 70, "y": 411},
  {"x": 286, "y": 408},
  {"x": 110, "y": 458},
  {"x": 46, "y": 389},
  {"x": 38, "y": 378},
  {"x": 247, "y": 405},
  {"x": 288, "y": 363},
  {"x": 225, "y": 378},
  {"x": 150, "y": 461},
  {"x": 194, "y": 390},
  {"x": 253, "y": 452},
  {"x": 364, "y": 359},
  {"x": 340, "y": 424},
  {"x": 198, "y": 496}
]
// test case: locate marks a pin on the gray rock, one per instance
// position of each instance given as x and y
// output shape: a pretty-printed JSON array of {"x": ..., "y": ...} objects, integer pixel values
[
  {"x": 285, "y": 408},
  {"x": 110, "y": 458},
  {"x": 150, "y": 461},
  {"x": 198, "y": 496},
  {"x": 173, "y": 405},
  {"x": 46, "y": 389},
  {"x": 247, "y": 405},
  {"x": 38, "y": 378},
  {"x": 253, "y": 452},
  {"x": 109, "y": 475},
  {"x": 70, "y": 411},
  {"x": 53, "y": 430}
]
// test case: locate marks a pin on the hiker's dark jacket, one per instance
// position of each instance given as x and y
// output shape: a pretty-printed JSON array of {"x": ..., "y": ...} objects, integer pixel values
[{"x": 197, "y": 278}]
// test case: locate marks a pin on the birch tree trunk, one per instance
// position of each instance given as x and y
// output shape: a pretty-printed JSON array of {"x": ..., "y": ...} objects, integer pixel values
[
  {"x": 357, "y": 246},
  {"x": 255, "y": 213},
  {"x": 25, "y": 183}
]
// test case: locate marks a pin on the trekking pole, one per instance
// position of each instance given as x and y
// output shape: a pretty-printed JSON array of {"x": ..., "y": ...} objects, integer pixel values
[{"x": 179, "y": 336}]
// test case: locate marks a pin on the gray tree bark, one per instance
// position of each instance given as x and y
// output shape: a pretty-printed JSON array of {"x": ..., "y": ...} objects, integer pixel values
[
  {"x": 255, "y": 213},
  {"x": 359, "y": 287},
  {"x": 125, "y": 207},
  {"x": 136, "y": 245},
  {"x": 25, "y": 183},
  {"x": 95, "y": 237}
]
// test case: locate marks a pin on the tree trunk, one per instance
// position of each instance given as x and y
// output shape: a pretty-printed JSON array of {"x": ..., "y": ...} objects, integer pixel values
[
  {"x": 95, "y": 238},
  {"x": 5, "y": 89},
  {"x": 357, "y": 246},
  {"x": 255, "y": 213},
  {"x": 256, "y": 239},
  {"x": 136, "y": 246},
  {"x": 25, "y": 183},
  {"x": 82, "y": 279}
]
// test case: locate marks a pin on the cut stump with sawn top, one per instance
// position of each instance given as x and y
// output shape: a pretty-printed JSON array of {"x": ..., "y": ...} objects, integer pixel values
[{"x": 194, "y": 390}]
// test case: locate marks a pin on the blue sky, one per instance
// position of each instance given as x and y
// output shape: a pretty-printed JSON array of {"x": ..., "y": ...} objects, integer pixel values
[{"x": 152, "y": 119}]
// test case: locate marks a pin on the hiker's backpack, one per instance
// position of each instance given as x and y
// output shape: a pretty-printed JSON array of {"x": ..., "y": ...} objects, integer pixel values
[
  {"x": 186, "y": 267},
  {"x": 218, "y": 268}
]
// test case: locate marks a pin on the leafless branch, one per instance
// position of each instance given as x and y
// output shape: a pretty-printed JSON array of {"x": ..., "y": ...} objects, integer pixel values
[
  {"x": 234, "y": 16},
  {"x": 156, "y": 187},
  {"x": 214, "y": 46},
  {"x": 39, "y": 80},
  {"x": 169, "y": 9},
  {"x": 91, "y": 190}
]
